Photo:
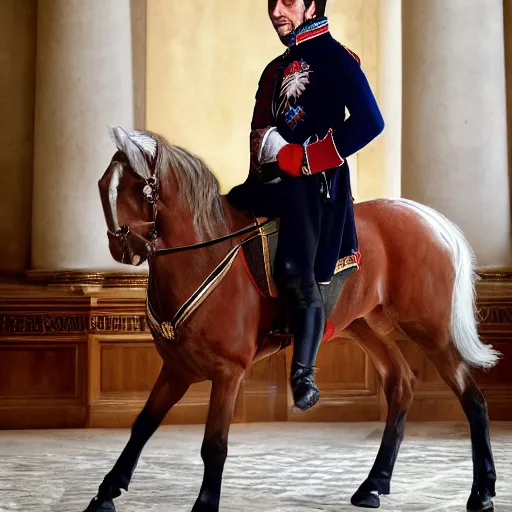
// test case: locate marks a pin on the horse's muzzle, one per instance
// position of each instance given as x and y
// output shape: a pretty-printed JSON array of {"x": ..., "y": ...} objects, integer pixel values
[{"x": 124, "y": 249}]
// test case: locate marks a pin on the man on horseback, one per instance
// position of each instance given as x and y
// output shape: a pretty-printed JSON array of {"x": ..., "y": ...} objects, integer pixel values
[{"x": 300, "y": 141}]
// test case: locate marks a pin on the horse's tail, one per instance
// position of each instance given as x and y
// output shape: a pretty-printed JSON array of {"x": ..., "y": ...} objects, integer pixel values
[{"x": 464, "y": 330}]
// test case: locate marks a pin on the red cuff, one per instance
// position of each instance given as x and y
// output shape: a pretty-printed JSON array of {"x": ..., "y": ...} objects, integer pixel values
[{"x": 323, "y": 155}]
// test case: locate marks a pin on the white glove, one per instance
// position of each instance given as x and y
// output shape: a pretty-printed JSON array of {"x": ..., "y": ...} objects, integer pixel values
[{"x": 270, "y": 145}]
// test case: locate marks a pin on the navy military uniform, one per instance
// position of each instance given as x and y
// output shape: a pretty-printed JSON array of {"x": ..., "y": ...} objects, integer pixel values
[{"x": 303, "y": 96}]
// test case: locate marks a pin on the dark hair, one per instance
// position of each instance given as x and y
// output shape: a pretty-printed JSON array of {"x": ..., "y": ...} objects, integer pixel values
[{"x": 320, "y": 6}]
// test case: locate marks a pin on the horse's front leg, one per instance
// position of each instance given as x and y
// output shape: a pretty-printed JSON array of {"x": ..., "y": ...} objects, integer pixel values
[
  {"x": 167, "y": 391},
  {"x": 215, "y": 444}
]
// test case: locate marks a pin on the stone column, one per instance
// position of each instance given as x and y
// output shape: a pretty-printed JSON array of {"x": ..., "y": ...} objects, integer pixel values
[
  {"x": 507, "y": 23},
  {"x": 84, "y": 85},
  {"x": 454, "y": 154},
  {"x": 17, "y": 90}
]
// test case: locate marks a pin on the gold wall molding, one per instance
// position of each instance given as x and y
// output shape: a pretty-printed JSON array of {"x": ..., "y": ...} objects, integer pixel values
[
  {"x": 47, "y": 301},
  {"x": 495, "y": 315},
  {"x": 33, "y": 324},
  {"x": 117, "y": 323},
  {"x": 495, "y": 274},
  {"x": 79, "y": 278},
  {"x": 123, "y": 279},
  {"x": 38, "y": 302}
]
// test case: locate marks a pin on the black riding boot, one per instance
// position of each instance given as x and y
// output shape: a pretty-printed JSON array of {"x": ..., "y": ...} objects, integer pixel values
[{"x": 309, "y": 326}]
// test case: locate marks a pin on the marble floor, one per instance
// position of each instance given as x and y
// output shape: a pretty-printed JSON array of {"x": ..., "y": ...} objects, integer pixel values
[{"x": 267, "y": 468}]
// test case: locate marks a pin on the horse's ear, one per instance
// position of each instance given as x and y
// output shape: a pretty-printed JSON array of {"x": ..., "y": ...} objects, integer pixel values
[
  {"x": 139, "y": 155},
  {"x": 123, "y": 141}
]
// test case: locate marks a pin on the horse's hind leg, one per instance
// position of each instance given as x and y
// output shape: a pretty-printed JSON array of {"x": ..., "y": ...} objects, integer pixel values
[
  {"x": 167, "y": 391},
  {"x": 397, "y": 380},
  {"x": 454, "y": 371},
  {"x": 215, "y": 444}
]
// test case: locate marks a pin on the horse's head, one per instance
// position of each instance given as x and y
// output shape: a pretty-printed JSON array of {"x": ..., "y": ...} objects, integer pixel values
[
  {"x": 150, "y": 185},
  {"x": 129, "y": 193}
]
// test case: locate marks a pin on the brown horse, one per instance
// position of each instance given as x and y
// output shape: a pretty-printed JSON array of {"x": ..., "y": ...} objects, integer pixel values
[{"x": 416, "y": 282}]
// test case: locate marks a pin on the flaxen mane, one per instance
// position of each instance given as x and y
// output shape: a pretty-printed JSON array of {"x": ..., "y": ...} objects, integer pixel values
[{"x": 198, "y": 187}]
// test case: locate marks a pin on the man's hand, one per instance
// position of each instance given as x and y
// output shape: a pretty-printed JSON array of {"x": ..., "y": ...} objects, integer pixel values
[
  {"x": 266, "y": 144},
  {"x": 319, "y": 156},
  {"x": 290, "y": 159}
]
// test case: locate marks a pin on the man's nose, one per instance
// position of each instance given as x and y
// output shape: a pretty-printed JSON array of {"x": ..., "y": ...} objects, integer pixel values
[{"x": 275, "y": 9}]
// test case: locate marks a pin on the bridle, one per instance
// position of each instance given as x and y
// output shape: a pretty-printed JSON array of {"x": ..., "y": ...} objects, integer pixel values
[
  {"x": 150, "y": 194},
  {"x": 169, "y": 329}
]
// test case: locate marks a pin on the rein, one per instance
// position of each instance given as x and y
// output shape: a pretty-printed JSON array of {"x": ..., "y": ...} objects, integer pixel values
[
  {"x": 124, "y": 231},
  {"x": 244, "y": 231},
  {"x": 151, "y": 195}
]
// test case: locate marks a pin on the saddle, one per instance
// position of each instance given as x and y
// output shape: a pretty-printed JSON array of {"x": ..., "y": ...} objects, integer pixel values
[{"x": 259, "y": 259}]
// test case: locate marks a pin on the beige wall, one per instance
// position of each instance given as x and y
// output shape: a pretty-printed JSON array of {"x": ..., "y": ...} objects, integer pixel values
[
  {"x": 17, "y": 71},
  {"x": 138, "y": 12},
  {"x": 388, "y": 157},
  {"x": 203, "y": 65}
]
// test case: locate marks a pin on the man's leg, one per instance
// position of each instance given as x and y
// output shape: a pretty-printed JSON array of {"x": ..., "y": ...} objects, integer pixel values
[
  {"x": 308, "y": 322},
  {"x": 298, "y": 204},
  {"x": 298, "y": 242}
]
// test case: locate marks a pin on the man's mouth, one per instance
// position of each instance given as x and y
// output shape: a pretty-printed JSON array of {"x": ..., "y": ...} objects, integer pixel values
[{"x": 281, "y": 24}]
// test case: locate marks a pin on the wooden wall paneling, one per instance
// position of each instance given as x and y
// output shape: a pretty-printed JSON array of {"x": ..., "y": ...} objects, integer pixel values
[
  {"x": 495, "y": 312},
  {"x": 433, "y": 399},
  {"x": 348, "y": 385},
  {"x": 496, "y": 384},
  {"x": 43, "y": 359},
  {"x": 263, "y": 395},
  {"x": 122, "y": 371},
  {"x": 75, "y": 350},
  {"x": 43, "y": 382}
]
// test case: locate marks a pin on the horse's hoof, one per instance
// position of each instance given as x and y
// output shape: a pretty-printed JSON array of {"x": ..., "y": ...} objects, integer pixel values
[
  {"x": 98, "y": 505},
  {"x": 479, "y": 503},
  {"x": 365, "y": 500},
  {"x": 204, "y": 506}
]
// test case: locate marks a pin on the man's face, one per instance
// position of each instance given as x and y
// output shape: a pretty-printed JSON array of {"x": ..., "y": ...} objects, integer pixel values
[{"x": 287, "y": 15}]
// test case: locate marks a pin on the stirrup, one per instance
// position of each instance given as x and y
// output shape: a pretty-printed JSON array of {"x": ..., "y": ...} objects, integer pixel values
[{"x": 281, "y": 326}]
